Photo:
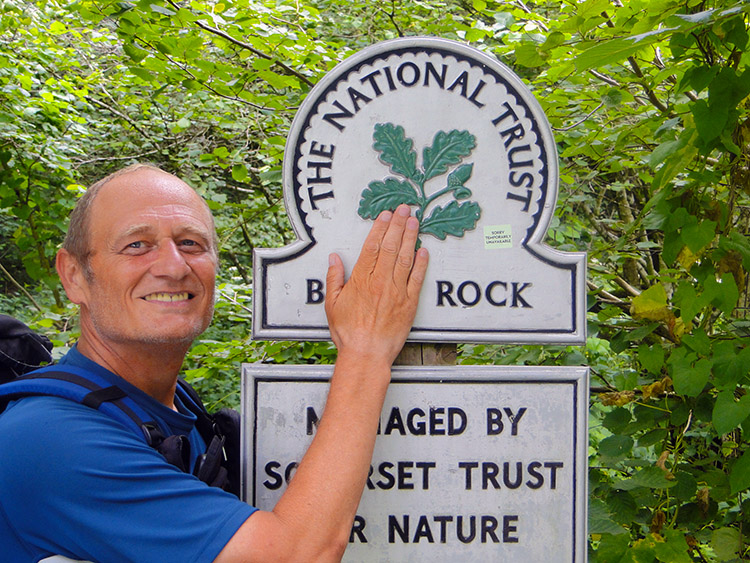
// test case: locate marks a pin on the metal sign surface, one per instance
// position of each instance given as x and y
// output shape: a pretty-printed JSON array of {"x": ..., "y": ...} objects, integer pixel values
[
  {"x": 455, "y": 134},
  {"x": 471, "y": 463}
]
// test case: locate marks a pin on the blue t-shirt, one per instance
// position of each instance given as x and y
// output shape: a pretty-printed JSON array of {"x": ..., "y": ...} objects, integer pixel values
[{"x": 76, "y": 482}]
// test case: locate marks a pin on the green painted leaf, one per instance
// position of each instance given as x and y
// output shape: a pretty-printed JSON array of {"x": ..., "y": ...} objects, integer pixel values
[
  {"x": 460, "y": 175},
  {"x": 447, "y": 149},
  {"x": 395, "y": 149},
  {"x": 730, "y": 413},
  {"x": 462, "y": 192},
  {"x": 453, "y": 219},
  {"x": 386, "y": 195}
]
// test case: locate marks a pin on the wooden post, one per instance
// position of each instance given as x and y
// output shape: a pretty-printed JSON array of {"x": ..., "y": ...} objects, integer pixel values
[{"x": 420, "y": 354}]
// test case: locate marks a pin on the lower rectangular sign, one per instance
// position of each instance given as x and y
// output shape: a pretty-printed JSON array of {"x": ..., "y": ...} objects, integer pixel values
[{"x": 471, "y": 463}]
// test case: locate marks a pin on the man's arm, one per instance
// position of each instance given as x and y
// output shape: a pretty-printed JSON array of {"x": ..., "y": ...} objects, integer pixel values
[{"x": 370, "y": 317}]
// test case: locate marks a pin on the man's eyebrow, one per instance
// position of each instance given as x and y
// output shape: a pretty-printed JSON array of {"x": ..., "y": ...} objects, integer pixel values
[
  {"x": 181, "y": 230},
  {"x": 136, "y": 230}
]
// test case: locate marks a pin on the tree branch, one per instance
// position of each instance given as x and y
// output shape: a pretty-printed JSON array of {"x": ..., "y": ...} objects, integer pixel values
[
  {"x": 19, "y": 286},
  {"x": 250, "y": 48}
]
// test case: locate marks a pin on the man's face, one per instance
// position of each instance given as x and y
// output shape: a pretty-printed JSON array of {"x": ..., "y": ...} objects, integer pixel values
[{"x": 152, "y": 265}]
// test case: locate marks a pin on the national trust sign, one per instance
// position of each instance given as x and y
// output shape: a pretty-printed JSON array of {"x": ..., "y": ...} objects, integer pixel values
[{"x": 456, "y": 135}]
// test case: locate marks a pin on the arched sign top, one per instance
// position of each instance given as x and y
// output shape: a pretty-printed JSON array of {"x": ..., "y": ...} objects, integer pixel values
[{"x": 456, "y": 135}]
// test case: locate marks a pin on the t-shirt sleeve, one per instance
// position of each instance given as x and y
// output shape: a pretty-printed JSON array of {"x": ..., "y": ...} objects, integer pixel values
[{"x": 77, "y": 483}]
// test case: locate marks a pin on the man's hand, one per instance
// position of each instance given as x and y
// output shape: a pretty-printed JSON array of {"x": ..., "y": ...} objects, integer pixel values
[{"x": 371, "y": 315}]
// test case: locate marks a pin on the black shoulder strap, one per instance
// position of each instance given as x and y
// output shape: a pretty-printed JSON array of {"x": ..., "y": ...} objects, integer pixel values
[{"x": 84, "y": 387}]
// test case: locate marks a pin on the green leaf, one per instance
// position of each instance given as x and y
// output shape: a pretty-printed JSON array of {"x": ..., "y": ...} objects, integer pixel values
[
  {"x": 600, "y": 520},
  {"x": 697, "y": 236},
  {"x": 651, "y": 304},
  {"x": 726, "y": 543},
  {"x": 613, "y": 548},
  {"x": 739, "y": 478},
  {"x": 615, "y": 50},
  {"x": 386, "y": 195},
  {"x": 395, "y": 149},
  {"x": 612, "y": 98},
  {"x": 730, "y": 366},
  {"x": 723, "y": 293},
  {"x": 162, "y": 10},
  {"x": 528, "y": 55},
  {"x": 688, "y": 301},
  {"x": 730, "y": 413},
  {"x": 447, "y": 149},
  {"x": 616, "y": 420},
  {"x": 709, "y": 121},
  {"x": 674, "y": 549},
  {"x": 651, "y": 357},
  {"x": 239, "y": 172},
  {"x": 650, "y": 477},
  {"x": 453, "y": 219},
  {"x": 616, "y": 446},
  {"x": 622, "y": 506},
  {"x": 690, "y": 380}
]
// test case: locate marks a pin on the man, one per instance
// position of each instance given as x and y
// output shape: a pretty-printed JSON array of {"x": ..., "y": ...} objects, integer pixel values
[{"x": 140, "y": 259}]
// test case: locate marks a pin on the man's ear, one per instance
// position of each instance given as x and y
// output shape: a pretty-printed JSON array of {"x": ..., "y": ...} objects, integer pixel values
[{"x": 72, "y": 276}]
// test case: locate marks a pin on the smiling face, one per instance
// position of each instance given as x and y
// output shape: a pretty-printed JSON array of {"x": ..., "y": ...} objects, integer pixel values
[{"x": 152, "y": 268}]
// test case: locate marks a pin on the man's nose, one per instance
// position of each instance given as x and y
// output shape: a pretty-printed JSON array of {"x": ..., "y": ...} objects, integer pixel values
[{"x": 170, "y": 262}]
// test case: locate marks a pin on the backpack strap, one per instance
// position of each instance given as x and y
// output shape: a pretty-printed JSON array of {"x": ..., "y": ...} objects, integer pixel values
[
  {"x": 219, "y": 466},
  {"x": 214, "y": 467},
  {"x": 86, "y": 388}
]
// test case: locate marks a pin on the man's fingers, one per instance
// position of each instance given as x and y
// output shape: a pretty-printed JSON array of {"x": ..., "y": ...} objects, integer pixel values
[
  {"x": 418, "y": 272},
  {"x": 368, "y": 256},
  {"x": 393, "y": 241},
  {"x": 334, "y": 280},
  {"x": 405, "y": 259}
]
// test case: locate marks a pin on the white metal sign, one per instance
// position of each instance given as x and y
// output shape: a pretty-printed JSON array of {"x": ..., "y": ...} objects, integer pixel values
[
  {"x": 471, "y": 463},
  {"x": 455, "y": 134}
]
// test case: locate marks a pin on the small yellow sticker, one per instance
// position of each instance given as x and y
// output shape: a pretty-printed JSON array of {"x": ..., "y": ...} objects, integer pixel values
[{"x": 498, "y": 236}]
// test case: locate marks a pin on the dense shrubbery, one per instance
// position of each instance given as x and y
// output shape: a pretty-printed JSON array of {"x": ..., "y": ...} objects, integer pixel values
[{"x": 648, "y": 101}]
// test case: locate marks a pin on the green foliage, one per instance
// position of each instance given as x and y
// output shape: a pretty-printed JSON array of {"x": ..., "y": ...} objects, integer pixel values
[{"x": 648, "y": 101}]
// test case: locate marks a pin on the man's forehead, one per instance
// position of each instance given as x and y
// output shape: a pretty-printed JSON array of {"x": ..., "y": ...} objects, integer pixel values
[{"x": 143, "y": 197}]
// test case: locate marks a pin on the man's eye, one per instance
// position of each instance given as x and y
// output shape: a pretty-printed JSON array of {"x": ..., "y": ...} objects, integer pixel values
[{"x": 136, "y": 244}]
